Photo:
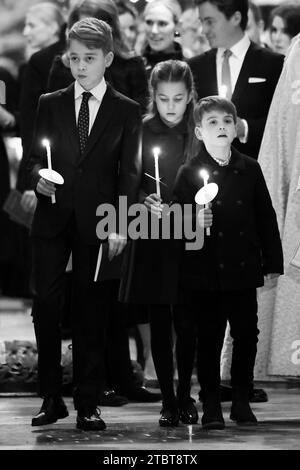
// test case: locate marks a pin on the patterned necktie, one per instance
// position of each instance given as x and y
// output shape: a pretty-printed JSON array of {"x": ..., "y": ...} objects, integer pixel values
[
  {"x": 226, "y": 76},
  {"x": 84, "y": 120}
]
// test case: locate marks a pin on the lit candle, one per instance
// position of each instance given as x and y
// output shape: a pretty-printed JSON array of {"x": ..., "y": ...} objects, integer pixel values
[
  {"x": 204, "y": 174},
  {"x": 156, "y": 152},
  {"x": 46, "y": 144},
  {"x": 223, "y": 91}
]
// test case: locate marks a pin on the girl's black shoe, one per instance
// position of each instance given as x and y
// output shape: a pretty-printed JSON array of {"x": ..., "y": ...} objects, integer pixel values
[{"x": 169, "y": 417}]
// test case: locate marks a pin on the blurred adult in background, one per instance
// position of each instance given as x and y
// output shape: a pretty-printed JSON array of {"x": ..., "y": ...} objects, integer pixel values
[
  {"x": 161, "y": 18},
  {"x": 192, "y": 40},
  {"x": 255, "y": 25},
  {"x": 126, "y": 74},
  {"x": 44, "y": 28},
  {"x": 128, "y": 17},
  {"x": 43, "y": 25},
  {"x": 284, "y": 25}
]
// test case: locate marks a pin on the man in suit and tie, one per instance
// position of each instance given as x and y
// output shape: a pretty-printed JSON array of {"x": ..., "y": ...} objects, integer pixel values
[
  {"x": 94, "y": 133},
  {"x": 236, "y": 68}
]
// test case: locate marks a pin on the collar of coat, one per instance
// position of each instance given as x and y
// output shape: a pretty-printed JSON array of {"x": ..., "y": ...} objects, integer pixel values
[
  {"x": 159, "y": 127},
  {"x": 237, "y": 161}
]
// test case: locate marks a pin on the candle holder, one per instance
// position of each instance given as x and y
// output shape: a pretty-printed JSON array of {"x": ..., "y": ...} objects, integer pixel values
[
  {"x": 52, "y": 176},
  {"x": 205, "y": 195}
]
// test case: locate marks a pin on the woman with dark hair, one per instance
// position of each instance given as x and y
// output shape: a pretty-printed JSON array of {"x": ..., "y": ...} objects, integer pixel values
[
  {"x": 126, "y": 74},
  {"x": 161, "y": 18},
  {"x": 284, "y": 25}
]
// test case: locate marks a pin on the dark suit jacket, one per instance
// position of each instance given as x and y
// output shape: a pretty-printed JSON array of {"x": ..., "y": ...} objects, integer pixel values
[
  {"x": 110, "y": 166},
  {"x": 252, "y": 100},
  {"x": 244, "y": 243}
]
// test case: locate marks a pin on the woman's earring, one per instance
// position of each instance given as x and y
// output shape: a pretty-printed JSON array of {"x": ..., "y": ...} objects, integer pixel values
[{"x": 177, "y": 34}]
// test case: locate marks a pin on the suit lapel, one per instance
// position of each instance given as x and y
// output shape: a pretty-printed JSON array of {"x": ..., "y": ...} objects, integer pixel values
[
  {"x": 211, "y": 72},
  {"x": 103, "y": 116},
  {"x": 247, "y": 70},
  {"x": 67, "y": 113}
]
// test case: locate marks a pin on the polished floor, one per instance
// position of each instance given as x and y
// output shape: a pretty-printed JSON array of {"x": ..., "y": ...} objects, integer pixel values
[{"x": 135, "y": 427}]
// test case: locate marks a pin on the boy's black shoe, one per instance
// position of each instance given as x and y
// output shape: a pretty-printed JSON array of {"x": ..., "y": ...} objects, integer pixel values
[
  {"x": 90, "y": 420},
  {"x": 212, "y": 412},
  {"x": 169, "y": 417},
  {"x": 242, "y": 414},
  {"x": 110, "y": 398},
  {"x": 53, "y": 408},
  {"x": 188, "y": 413},
  {"x": 240, "y": 409}
]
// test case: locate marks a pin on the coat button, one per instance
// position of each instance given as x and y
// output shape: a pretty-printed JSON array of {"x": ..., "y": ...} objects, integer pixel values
[
  {"x": 220, "y": 234},
  {"x": 219, "y": 203},
  {"x": 242, "y": 264},
  {"x": 221, "y": 266},
  {"x": 215, "y": 172},
  {"x": 236, "y": 172},
  {"x": 239, "y": 202},
  {"x": 242, "y": 233},
  {"x": 79, "y": 170}
]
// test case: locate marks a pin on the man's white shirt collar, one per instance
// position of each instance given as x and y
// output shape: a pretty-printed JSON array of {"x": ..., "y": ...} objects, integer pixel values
[{"x": 239, "y": 49}]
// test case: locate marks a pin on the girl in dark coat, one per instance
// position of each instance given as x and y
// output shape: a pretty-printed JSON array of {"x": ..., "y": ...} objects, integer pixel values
[{"x": 152, "y": 270}]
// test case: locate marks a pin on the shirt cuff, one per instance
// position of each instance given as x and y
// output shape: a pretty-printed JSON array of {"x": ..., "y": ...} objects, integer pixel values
[{"x": 244, "y": 138}]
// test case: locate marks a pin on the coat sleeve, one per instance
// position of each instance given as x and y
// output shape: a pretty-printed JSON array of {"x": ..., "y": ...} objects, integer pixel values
[
  {"x": 37, "y": 157},
  {"x": 130, "y": 162}
]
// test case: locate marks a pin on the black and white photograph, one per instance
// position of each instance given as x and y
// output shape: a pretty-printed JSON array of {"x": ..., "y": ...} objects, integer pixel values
[{"x": 149, "y": 230}]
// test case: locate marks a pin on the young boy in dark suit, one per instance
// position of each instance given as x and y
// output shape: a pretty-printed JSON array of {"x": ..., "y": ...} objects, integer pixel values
[
  {"x": 220, "y": 280},
  {"x": 94, "y": 134}
]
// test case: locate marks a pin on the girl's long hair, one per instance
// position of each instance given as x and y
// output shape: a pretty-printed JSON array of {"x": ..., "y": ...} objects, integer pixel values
[{"x": 174, "y": 71}]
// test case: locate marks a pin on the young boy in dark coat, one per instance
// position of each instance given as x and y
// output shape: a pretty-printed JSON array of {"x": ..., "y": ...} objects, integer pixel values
[
  {"x": 220, "y": 280},
  {"x": 95, "y": 135}
]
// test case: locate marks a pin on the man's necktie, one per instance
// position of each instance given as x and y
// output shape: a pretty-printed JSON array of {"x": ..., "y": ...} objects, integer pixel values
[
  {"x": 84, "y": 120},
  {"x": 226, "y": 76}
]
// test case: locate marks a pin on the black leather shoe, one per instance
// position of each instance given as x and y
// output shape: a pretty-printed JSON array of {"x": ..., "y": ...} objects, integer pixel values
[
  {"x": 90, "y": 420},
  {"x": 142, "y": 395},
  {"x": 212, "y": 412},
  {"x": 188, "y": 413},
  {"x": 53, "y": 408},
  {"x": 258, "y": 395},
  {"x": 242, "y": 414},
  {"x": 110, "y": 398},
  {"x": 169, "y": 417}
]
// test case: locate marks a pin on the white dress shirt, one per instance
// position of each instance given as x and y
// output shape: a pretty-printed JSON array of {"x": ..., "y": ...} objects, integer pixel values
[
  {"x": 94, "y": 102},
  {"x": 236, "y": 60},
  {"x": 239, "y": 50}
]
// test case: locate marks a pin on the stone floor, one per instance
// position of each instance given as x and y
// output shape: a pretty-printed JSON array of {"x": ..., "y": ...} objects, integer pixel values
[{"x": 135, "y": 427}]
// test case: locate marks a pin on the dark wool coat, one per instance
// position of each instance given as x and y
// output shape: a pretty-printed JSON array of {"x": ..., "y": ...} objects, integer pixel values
[
  {"x": 152, "y": 267},
  {"x": 244, "y": 243}
]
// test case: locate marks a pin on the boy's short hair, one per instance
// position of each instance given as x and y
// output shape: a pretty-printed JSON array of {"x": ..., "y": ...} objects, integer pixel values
[
  {"x": 210, "y": 103},
  {"x": 93, "y": 33}
]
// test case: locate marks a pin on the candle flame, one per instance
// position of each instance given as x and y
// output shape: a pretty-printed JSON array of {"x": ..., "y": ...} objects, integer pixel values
[
  {"x": 156, "y": 151},
  {"x": 45, "y": 142},
  {"x": 204, "y": 174}
]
